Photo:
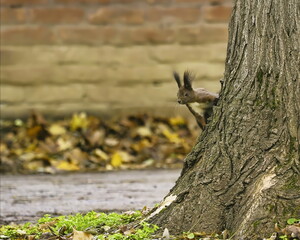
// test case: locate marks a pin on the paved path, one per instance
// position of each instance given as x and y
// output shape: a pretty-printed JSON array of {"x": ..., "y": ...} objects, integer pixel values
[{"x": 25, "y": 198}]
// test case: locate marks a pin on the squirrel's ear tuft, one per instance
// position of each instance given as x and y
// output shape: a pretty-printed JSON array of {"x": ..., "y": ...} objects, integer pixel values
[
  {"x": 187, "y": 79},
  {"x": 177, "y": 78}
]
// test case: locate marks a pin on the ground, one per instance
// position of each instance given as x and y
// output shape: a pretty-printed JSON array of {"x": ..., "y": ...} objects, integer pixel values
[{"x": 26, "y": 198}]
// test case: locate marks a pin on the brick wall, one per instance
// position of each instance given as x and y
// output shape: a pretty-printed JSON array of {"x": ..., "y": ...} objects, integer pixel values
[{"x": 107, "y": 56}]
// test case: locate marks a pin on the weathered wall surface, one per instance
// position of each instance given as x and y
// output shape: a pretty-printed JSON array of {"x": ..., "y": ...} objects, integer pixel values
[{"x": 106, "y": 56}]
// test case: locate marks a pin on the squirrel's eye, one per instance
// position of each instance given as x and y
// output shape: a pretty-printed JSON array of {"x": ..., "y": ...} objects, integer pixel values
[{"x": 185, "y": 94}]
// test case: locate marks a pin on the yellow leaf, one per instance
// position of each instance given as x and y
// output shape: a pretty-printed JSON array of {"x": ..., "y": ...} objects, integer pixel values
[
  {"x": 33, "y": 165},
  {"x": 76, "y": 156},
  {"x": 173, "y": 137},
  {"x": 31, "y": 147},
  {"x": 79, "y": 235},
  {"x": 56, "y": 129},
  {"x": 177, "y": 121},
  {"x": 141, "y": 145},
  {"x": 98, "y": 152},
  {"x": 111, "y": 142},
  {"x": 27, "y": 156},
  {"x": 144, "y": 132},
  {"x": 66, "y": 166},
  {"x": 116, "y": 160},
  {"x": 125, "y": 156},
  {"x": 63, "y": 144},
  {"x": 79, "y": 121}
]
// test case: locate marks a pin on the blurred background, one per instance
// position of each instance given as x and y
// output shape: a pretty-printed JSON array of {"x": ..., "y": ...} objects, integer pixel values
[
  {"x": 107, "y": 57},
  {"x": 98, "y": 75}
]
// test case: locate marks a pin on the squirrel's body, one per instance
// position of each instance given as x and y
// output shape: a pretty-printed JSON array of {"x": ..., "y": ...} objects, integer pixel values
[{"x": 199, "y": 101}]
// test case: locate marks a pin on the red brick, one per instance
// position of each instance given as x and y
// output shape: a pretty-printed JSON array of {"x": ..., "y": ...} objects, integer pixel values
[
  {"x": 21, "y": 2},
  {"x": 11, "y": 16},
  {"x": 150, "y": 35},
  {"x": 158, "y": 1},
  {"x": 56, "y": 15},
  {"x": 117, "y": 15},
  {"x": 215, "y": 2},
  {"x": 83, "y": 1},
  {"x": 87, "y": 35},
  {"x": 190, "y": 1},
  {"x": 124, "y": 1},
  {"x": 114, "y": 35},
  {"x": 202, "y": 2},
  {"x": 188, "y": 35},
  {"x": 213, "y": 33},
  {"x": 109, "y": 1},
  {"x": 173, "y": 14},
  {"x": 202, "y": 34},
  {"x": 26, "y": 36},
  {"x": 217, "y": 13}
]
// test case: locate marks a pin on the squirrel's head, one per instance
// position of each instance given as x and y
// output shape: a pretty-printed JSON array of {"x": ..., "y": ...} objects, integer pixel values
[{"x": 185, "y": 93}]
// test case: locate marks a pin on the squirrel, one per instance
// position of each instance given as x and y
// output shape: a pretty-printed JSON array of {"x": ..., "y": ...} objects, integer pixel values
[{"x": 199, "y": 101}]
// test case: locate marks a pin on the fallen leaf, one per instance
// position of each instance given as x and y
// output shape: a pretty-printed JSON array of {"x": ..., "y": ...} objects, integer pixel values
[
  {"x": 106, "y": 228},
  {"x": 76, "y": 156},
  {"x": 292, "y": 231},
  {"x": 141, "y": 145},
  {"x": 79, "y": 121},
  {"x": 116, "y": 160},
  {"x": 172, "y": 137},
  {"x": 18, "y": 123},
  {"x": 177, "y": 121},
  {"x": 129, "y": 232},
  {"x": 3, "y": 148},
  {"x": 27, "y": 156},
  {"x": 34, "y": 166},
  {"x": 31, "y": 237},
  {"x": 144, "y": 132},
  {"x": 56, "y": 129},
  {"x": 48, "y": 146},
  {"x": 89, "y": 143},
  {"x": 34, "y": 131},
  {"x": 66, "y": 166},
  {"x": 63, "y": 144},
  {"x": 80, "y": 235},
  {"x": 95, "y": 137},
  {"x": 21, "y": 232},
  {"x": 148, "y": 162},
  {"x": 98, "y": 152},
  {"x": 166, "y": 234},
  {"x": 125, "y": 156},
  {"x": 111, "y": 142}
]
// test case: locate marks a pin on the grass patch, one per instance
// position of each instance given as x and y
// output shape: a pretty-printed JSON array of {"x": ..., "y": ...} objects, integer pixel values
[
  {"x": 114, "y": 226},
  {"x": 92, "y": 225}
]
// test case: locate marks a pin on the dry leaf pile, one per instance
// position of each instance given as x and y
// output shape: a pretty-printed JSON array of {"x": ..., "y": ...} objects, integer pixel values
[{"x": 87, "y": 143}]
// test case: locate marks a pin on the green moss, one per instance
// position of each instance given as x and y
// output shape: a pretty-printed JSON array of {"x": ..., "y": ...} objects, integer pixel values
[
  {"x": 259, "y": 76},
  {"x": 103, "y": 226},
  {"x": 256, "y": 224},
  {"x": 270, "y": 207},
  {"x": 292, "y": 148},
  {"x": 290, "y": 210},
  {"x": 292, "y": 183},
  {"x": 258, "y": 102}
]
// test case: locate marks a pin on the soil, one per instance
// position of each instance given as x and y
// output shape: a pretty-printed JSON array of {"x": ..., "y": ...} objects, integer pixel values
[{"x": 28, "y": 197}]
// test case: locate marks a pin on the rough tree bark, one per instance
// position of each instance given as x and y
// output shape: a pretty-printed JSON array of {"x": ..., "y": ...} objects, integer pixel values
[{"x": 244, "y": 172}]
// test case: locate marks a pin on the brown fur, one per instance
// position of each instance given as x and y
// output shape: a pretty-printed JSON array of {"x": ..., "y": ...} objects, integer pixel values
[{"x": 187, "y": 95}]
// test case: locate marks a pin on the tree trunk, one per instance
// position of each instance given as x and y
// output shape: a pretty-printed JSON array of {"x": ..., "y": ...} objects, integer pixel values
[{"x": 243, "y": 174}]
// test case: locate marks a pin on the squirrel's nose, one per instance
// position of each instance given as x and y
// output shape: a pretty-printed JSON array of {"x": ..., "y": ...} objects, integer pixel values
[{"x": 179, "y": 101}]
